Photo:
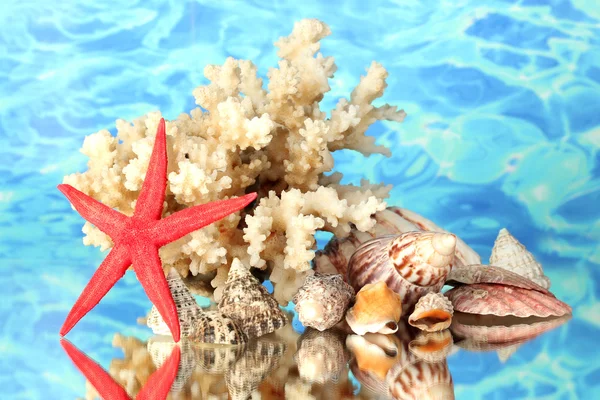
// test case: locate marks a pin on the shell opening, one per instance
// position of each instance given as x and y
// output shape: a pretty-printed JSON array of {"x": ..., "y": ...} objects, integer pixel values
[
  {"x": 390, "y": 327},
  {"x": 432, "y": 317}
]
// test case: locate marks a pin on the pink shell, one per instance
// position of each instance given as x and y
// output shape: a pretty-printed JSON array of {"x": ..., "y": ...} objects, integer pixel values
[
  {"x": 501, "y": 300},
  {"x": 477, "y": 273}
]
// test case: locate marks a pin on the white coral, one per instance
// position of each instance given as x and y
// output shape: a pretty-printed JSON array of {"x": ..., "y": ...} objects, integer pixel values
[{"x": 277, "y": 142}]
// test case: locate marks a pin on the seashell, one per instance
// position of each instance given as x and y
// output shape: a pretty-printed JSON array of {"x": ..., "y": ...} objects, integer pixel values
[
  {"x": 377, "y": 309},
  {"x": 432, "y": 346},
  {"x": 195, "y": 323},
  {"x": 510, "y": 254},
  {"x": 322, "y": 301},
  {"x": 321, "y": 356},
  {"x": 160, "y": 348},
  {"x": 248, "y": 303},
  {"x": 469, "y": 274},
  {"x": 412, "y": 264},
  {"x": 419, "y": 380},
  {"x": 333, "y": 259},
  {"x": 216, "y": 359},
  {"x": 374, "y": 355},
  {"x": 256, "y": 363},
  {"x": 433, "y": 312},
  {"x": 501, "y": 300}
]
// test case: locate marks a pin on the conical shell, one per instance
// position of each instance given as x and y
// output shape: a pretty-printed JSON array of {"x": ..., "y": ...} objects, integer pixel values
[
  {"x": 500, "y": 300},
  {"x": 510, "y": 254},
  {"x": 470, "y": 274},
  {"x": 160, "y": 349},
  {"x": 377, "y": 309},
  {"x": 248, "y": 303},
  {"x": 321, "y": 356},
  {"x": 420, "y": 380},
  {"x": 216, "y": 359},
  {"x": 412, "y": 264},
  {"x": 214, "y": 327},
  {"x": 391, "y": 221},
  {"x": 433, "y": 312},
  {"x": 432, "y": 346},
  {"x": 322, "y": 301}
]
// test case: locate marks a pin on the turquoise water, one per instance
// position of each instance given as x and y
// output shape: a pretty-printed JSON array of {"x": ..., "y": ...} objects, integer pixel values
[{"x": 503, "y": 130}]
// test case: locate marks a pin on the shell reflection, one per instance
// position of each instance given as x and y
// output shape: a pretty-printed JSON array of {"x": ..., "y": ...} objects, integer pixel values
[{"x": 321, "y": 356}]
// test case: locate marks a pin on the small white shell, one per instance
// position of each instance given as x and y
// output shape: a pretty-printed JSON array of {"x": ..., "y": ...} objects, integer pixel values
[
  {"x": 510, "y": 254},
  {"x": 322, "y": 301},
  {"x": 433, "y": 312}
]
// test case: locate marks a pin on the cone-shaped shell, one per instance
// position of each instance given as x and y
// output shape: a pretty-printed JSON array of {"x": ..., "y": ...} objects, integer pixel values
[
  {"x": 216, "y": 359},
  {"x": 421, "y": 380},
  {"x": 433, "y": 312},
  {"x": 377, "y": 309},
  {"x": 322, "y": 301},
  {"x": 248, "y": 303},
  {"x": 214, "y": 327},
  {"x": 469, "y": 274},
  {"x": 500, "y": 300},
  {"x": 160, "y": 349},
  {"x": 321, "y": 356},
  {"x": 432, "y": 346},
  {"x": 412, "y": 264},
  {"x": 510, "y": 254}
]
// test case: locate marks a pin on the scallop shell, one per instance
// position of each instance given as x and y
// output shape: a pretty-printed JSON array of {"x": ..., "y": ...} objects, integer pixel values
[
  {"x": 377, "y": 309},
  {"x": 433, "y": 312},
  {"x": 391, "y": 221},
  {"x": 420, "y": 380},
  {"x": 412, "y": 264},
  {"x": 160, "y": 348},
  {"x": 510, "y": 254},
  {"x": 322, "y": 301},
  {"x": 432, "y": 346},
  {"x": 501, "y": 300},
  {"x": 321, "y": 356},
  {"x": 248, "y": 303},
  {"x": 469, "y": 274}
]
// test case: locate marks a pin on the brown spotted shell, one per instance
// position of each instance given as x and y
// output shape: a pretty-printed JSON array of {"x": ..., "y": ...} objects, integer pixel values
[
  {"x": 377, "y": 309},
  {"x": 411, "y": 264},
  {"x": 249, "y": 304},
  {"x": 502, "y": 300},
  {"x": 433, "y": 312}
]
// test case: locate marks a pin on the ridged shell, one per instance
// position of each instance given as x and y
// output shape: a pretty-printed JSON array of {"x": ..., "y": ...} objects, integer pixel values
[
  {"x": 322, "y": 301},
  {"x": 255, "y": 364},
  {"x": 412, "y": 264},
  {"x": 500, "y": 300},
  {"x": 421, "y": 380},
  {"x": 248, "y": 303},
  {"x": 214, "y": 327},
  {"x": 510, "y": 254},
  {"x": 377, "y": 309},
  {"x": 391, "y": 221},
  {"x": 374, "y": 355},
  {"x": 216, "y": 360},
  {"x": 469, "y": 274},
  {"x": 433, "y": 312},
  {"x": 160, "y": 349},
  {"x": 321, "y": 356},
  {"x": 432, "y": 346}
]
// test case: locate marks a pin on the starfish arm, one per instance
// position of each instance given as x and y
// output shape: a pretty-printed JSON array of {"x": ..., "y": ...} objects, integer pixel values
[
  {"x": 149, "y": 271},
  {"x": 102, "y": 216},
  {"x": 108, "y": 273},
  {"x": 150, "y": 201},
  {"x": 191, "y": 219},
  {"x": 159, "y": 384},
  {"x": 98, "y": 377}
]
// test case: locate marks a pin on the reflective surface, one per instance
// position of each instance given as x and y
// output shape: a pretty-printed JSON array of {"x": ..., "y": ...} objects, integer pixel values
[{"x": 502, "y": 131}]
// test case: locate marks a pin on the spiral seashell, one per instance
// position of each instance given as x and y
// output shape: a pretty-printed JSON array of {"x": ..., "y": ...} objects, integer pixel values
[
  {"x": 321, "y": 356},
  {"x": 377, "y": 309},
  {"x": 470, "y": 274},
  {"x": 160, "y": 349},
  {"x": 419, "y": 380},
  {"x": 322, "y": 301},
  {"x": 433, "y": 312},
  {"x": 510, "y": 254},
  {"x": 248, "y": 303},
  {"x": 412, "y": 264},
  {"x": 432, "y": 346},
  {"x": 501, "y": 300}
]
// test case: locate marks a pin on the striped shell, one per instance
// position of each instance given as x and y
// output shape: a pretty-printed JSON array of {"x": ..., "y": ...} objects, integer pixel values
[
  {"x": 510, "y": 254},
  {"x": 412, "y": 264},
  {"x": 433, "y": 312},
  {"x": 248, "y": 303},
  {"x": 470, "y": 274},
  {"x": 322, "y": 301},
  {"x": 321, "y": 356},
  {"x": 377, "y": 309},
  {"x": 501, "y": 300},
  {"x": 432, "y": 346},
  {"x": 391, "y": 221},
  {"x": 419, "y": 380}
]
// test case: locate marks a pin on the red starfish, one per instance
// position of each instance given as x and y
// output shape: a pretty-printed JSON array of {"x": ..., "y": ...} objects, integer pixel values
[
  {"x": 157, "y": 386},
  {"x": 137, "y": 239}
]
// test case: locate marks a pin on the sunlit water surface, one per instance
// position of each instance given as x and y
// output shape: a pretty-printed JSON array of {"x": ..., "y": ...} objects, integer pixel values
[{"x": 503, "y": 130}]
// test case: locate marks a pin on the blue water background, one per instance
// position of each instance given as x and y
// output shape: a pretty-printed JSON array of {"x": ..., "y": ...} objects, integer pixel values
[{"x": 503, "y": 130}]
